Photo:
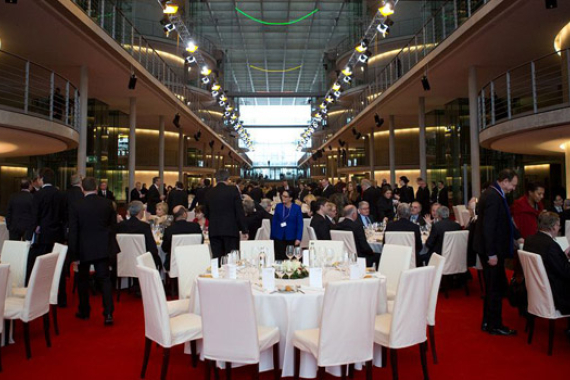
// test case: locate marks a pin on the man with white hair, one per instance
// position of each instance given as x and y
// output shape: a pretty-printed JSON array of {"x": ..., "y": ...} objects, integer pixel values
[
  {"x": 434, "y": 242},
  {"x": 362, "y": 247},
  {"x": 364, "y": 217}
]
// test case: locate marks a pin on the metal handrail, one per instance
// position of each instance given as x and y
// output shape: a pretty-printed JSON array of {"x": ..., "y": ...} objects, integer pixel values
[
  {"x": 33, "y": 89},
  {"x": 536, "y": 86}
]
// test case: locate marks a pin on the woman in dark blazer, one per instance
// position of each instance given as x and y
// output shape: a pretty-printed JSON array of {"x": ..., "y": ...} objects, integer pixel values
[
  {"x": 287, "y": 225},
  {"x": 385, "y": 205}
]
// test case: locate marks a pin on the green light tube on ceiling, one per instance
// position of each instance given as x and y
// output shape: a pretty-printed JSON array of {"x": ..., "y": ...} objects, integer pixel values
[{"x": 277, "y": 23}]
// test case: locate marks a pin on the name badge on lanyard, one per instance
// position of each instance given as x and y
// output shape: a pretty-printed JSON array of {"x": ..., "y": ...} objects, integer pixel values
[{"x": 284, "y": 224}]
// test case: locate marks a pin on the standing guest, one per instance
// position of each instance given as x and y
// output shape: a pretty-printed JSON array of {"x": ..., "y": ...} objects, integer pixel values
[
  {"x": 224, "y": 211},
  {"x": 362, "y": 247},
  {"x": 330, "y": 213},
  {"x": 144, "y": 192},
  {"x": 153, "y": 196},
  {"x": 177, "y": 197},
  {"x": 328, "y": 190},
  {"x": 287, "y": 225},
  {"x": 137, "y": 194},
  {"x": 526, "y": 209},
  {"x": 385, "y": 205},
  {"x": 494, "y": 241},
  {"x": 422, "y": 195},
  {"x": 442, "y": 194},
  {"x": 36, "y": 182},
  {"x": 92, "y": 223},
  {"x": 200, "y": 197},
  {"x": 416, "y": 216},
  {"x": 303, "y": 191},
  {"x": 179, "y": 227},
  {"x": 434, "y": 243},
  {"x": 370, "y": 195},
  {"x": 252, "y": 217},
  {"x": 19, "y": 219},
  {"x": 406, "y": 193},
  {"x": 135, "y": 225},
  {"x": 200, "y": 218},
  {"x": 558, "y": 205},
  {"x": 554, "y": 258},
  {"x": 105, "y": 192},
  {"x": 271, "y": 193},
  {"x": 403, "y": 224},
  {"x": 285, "y": 186},
  {"x": 319, "y": 221},
  {"x": 353, "y": 195},
  {"x": 434, "y": 191},
  {"x": 364, "y": 217},
  {"x": 256, "y": 193},
  {"x": 240, "y": 185}
]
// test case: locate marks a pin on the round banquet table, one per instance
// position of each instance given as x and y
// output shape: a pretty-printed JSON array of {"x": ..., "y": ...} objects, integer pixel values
[
  {"x": 294, "y": 311},
  {"x": 376, "y": 241}
]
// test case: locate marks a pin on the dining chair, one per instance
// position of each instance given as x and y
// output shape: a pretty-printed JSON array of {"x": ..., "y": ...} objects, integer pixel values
[
  {"x": 178, "y": 241},
  {"x": 454, "y": 249},
  {"x": 266, "y": 225},
  {"x": 539, "y": 295},
  {"x": 406, "y": 325},
  {"x": 261, "y": 234},
  {"x": 437, "y": 262},
  {"x": 4, "y": 235},
  {"x": 146, "y": 260},
  {"x": 192, "y": 261},
  {"x": 16, "y": 253},
  {"x": 160, "y": 327},
  {"x": 4, "y": 274},
  {"x": 312, "y": 234},
  {"x": 345, "y": 335},
  {"x": 237, "y": 339},
  {"x": 347, "y": 237},
  {"x": 306, "y": 238},
  {"x": 36, "y": 302},
  {"x": 407, "y": 239},
  {"x": 249, "y": 250},
  {"x": 131, "y": 246},
  {"x": 394, "y": 260}
]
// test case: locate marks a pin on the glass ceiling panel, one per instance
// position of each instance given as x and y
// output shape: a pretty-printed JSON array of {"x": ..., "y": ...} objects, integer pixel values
[
  {"x": 275, "y": 146},
  {"x": 288, "y": 115}
]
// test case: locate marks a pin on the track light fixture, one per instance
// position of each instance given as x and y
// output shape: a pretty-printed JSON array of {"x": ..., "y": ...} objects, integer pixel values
[
  {"x": 378, "y": 120},
  {"x": 358, "y": 136},
  {"x": 364, "y": 57},
  {"x": 205, "y": 80},
  {"x": 425, "y": 83},
  {"x": 132, "y": 81},
  {"x": 387, "y": 8},
  {"x": 383, "y": 29},
  {"x": 176, "y": 120},
  {"x": 354, "y": 131},
  {"x": 167, "y": 26},
  {"x": 170, "y": 7},
  {"x": 211, "y": 144},
  {"x": 362, "y": 47},
  {"x": 191, "y": 47}
]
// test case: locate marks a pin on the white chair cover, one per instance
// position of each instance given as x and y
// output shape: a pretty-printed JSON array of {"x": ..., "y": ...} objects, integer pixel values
[
  {"x": 62, "y": 250},
  {"x": 190, "y": 216},
  {"x": 539, "y": 293},
  {"x": 178, "y": 241},
  {"x": 562, "y": 242},
  {"x": 406, "y": 326},
  {"x": 146, "y": 260},
  {"x": 312, "y": 233},
  {"x": 306, "y": 238},
  {"x": 407, "y": 239},
  {"x": 567, "y": 229},
  {"x": 394, "y": 260},
  {"x": 465, "y": 216},
  {"x": 322, "y": 246},
  {"x": 192, "y": 260},
  {"x": 266, "y": 225},
  {"x": 347, "y": 237},
  {"x": 4, "y": 235},
  {"x": 249, "y": 250},
  {"x": 159, "y": 326},
  {"x": 131, "y": 246},
  {"x": 16, "y": 253},
  {"x": 455, "y": 252},
  {"x": 261, "y": 234},
  {"x": 437, "y": 262},
  {"x": 4, "y": 274}
]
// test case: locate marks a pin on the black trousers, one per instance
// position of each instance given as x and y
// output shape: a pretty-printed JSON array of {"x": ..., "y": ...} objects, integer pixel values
[
  {"x": 16, "y": 235},
  {"x": 222, "y": 245},
  {"x": 281, "y": 247},
  {"x": 496, "y": 285},
  {"x": 102, "y": 274}
]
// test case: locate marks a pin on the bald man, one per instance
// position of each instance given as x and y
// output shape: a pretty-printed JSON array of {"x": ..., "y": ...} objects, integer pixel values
[{"x": 179, "y": 227}]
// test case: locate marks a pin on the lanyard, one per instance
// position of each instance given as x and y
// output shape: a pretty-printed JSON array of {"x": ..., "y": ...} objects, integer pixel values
[{"x": 289, "y": 213}]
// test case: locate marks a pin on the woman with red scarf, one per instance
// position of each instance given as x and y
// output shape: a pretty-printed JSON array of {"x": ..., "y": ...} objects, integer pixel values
[{"x": 525, "y": 210}]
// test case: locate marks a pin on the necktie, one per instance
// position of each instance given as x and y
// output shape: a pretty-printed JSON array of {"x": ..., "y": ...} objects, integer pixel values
[{"x": 367, "y": 221}]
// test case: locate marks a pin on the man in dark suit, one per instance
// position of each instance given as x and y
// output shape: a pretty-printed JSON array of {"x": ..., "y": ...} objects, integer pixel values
[
  {"x": 200, "y": 197},
  {"x": 554, "y": 258},
  {"x": 494, "y": 241},
  {"x": 319, "y": 221},
  {"x": 226, "y": 216},
  {"x": 179, "y": 227},
  {"x": 105, "y": 192},
  {"x": 177, "y": 197},
  {"x": 92, "y": 223},
  {"x": 364, "y": 217},
  {"x": 285, "y": 186},
  {"x": 370, "y": 195},
  {"x": 405, "y": 192},
  {"x": 423, "y": 196},
  {"x": 137, "y": 194},
  {"x": 256, "y": 193},
  {"x": 417, "y": 214},
  {"x": 153, "y": 196},
  {"x": 135, "y": 225},
  {"x": 303, "y": 191},
  {"x": 328, "y": 189},
  {"x": 403, "y": 224},
  {"x": 19, "y": 220},
  {"x": 442, "y": 194},
  {"x": 434, "y": 242},
  {"x": 144, "y": 192},
  {"x": 362, "y": 247}
]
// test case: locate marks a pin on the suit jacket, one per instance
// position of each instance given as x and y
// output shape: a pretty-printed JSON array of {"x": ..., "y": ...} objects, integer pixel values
[
  {"x": 322, "y": 227},
  {"x": 224, "y": 210},
  {"x": 49, "y": 213},
  {"x": 406, "y": 194},
  {"x": 423, "y": 197},
  {"x": 152, "y": 199},
  {"x": 19, "y": 214},
  {"x": 362, "y": 246},
  {"x": 253, "y": 222},
  {"x": 262, "y": 213},
  {"x": 179, "y": 227},
  {"x": 200, "y": 197},
  {"x": 443, "y": 197},
  {"x": 328, "y": 191},
  {"x": 72, "y": 195},
  {"x": 176, "y": 197},
  {"x": 109, "y": 194},
  {"x": 433, "y": 195},
  {"x": 385, "y": 209},
  {"x": 256, "y": 194},
  {"x": 294, "y": 219},
  {"x": 303, "y": 193},
  {"x": 404, "y": 225},
  {"x": 557, "y": 267},
  {"x": 420, "y": 220},
  {"x": 92, "y": 223},
  {"x": 370, "y": 195},
  {"x": 135, "y": 226},
  {"x": 136, "y": 196},
  {"x": 434, "y": 242},
  {"x": 563, "y": 218},
  {"x": 361, "y": 222}
]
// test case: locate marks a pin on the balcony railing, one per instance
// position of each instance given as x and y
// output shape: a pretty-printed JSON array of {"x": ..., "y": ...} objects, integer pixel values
[
  {"x": 32, "y": 89},
  {"x": 537, "y": 86}
]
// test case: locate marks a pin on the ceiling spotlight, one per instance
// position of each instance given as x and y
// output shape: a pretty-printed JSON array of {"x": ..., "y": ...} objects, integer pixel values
[
  {"x": 215, "y": 94},
  {"x": 378, "y": 120},
  {"x": 216, "y": 87},
  {"x": 132, "y": 81},
  {"x": 329, "y": 99},
  {"x": 347, "y": 79},
  {"x": 323, "y": 105},
  {"x": 425, "y": 83},
  {"x": 176, "y": 120},
  {"x": 358, "y": 136},
  {"x": 387, "y": 8},
  {"x": 364, "y": 57},
  {"x": 170, "y": 8},
  {"x": 196, "y": 137},
  {"x": 190, "y": 59},
  {"x": 222, "y": 103},
  {"x": 206, "y": 71},
  {"x": 206, "y": 80},
  {"x": 383, "y": 29},
  {"x": 551, "y": 4},
  {"x": 167, "y": 25},
  {"x": 223, "y": 97},
  {"x": 336, "y": 86},
  {"x": 363, "y": 46},
  {"x": 337, "y": 93},
  {"x": 347, "y": 71},
  {"x": 229, "y": 107},
  {"x": 191, "y": 47}
]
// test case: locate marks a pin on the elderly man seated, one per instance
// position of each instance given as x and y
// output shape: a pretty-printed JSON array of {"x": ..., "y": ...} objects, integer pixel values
[
  {"x": 179, "y": 227},
  {"x": 403, "y": 224},
  {"x": 416, "y": 216},
  {"x": 265, "y": 209},
  {"x": 364, "y": 217},
  {"x": 362, "y": 247},
  {"x": 434, "y": 242}
]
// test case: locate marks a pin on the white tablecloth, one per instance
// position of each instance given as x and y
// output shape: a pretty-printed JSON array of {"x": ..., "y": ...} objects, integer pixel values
[{"x": 296, "y": 311}]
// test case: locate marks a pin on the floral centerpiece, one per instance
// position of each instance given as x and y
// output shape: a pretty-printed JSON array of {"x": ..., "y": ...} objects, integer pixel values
[{"x": 297, "y": 270}]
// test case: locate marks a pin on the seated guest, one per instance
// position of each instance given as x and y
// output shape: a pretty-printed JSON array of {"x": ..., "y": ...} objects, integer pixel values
[
  {"x": 200, "y": 217},
  {"x": 431, "y": 218},
  {"x": 558, "y": 205},
  {"x": 252, "y": 218},
  {"x": 319, "y": 221},
  {"x": 364, "y": 217},
  {"x": 179, "y": 227},
  {"x": 403, "y": 224},
  {"x": 255, "y": 193},
  {"x": 555, "y": 260},
  {"x": 362, "y": 247},
  {"x": 305, "y": 209},
  {"x": 135, "y": 225},
  {"x": 330, "y": 213},
  {"x": 310, "y": 198},
  {"x": 525, "y": 210},
  {"x": 265, "y": 209},
  {"x": 385, "y": 205},
  {"x": 565, "y": 216},
  {"x": 272, "y": 193},
  {"x": 416, "y": 216},
  {"x": 161, "y": 217},
  {"x": 434, "y": 242}
]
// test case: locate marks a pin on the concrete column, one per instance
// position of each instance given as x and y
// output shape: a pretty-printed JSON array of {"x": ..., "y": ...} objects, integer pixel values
[
  {"x": 567, "y": 164},
  {"x": 474, "y": 134},
  {"x": 132, "y": 142},
  {"x": 82, "y": 148},
  {"x": 161, "y": 151},
  {"x": 392, "y": 148},
  {"x": 181, "y": 154},
  {"x": 422, "y": 137},
  {"x": 371, "y": 155}
]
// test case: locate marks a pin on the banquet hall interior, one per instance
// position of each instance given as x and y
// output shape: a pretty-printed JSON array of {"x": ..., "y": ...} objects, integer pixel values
[{"x": 365, "y": 189}]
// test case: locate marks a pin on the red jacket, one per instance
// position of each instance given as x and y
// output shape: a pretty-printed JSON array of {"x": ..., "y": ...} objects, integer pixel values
[{"x": 526, "y": 216}]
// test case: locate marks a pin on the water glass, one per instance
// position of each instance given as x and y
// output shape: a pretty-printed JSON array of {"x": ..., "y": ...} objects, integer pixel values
[
  {"x": 289, "y": 251},
  {"x": 278, "y": 265},
  {"x": 298, "y": 253}
]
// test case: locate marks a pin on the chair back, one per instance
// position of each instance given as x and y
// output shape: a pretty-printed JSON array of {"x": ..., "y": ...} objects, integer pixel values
[
  {"x": 394, "y": 260},
  {"x": 4, "y": 235},
  {"x": 465, "y": 216},
  {"x": 191, "y": 216},
  {"x": 146, "y": 260},
  {"x": 266, "y": 225},
  {"x": 4, "y": 274},
  {"x": 323, "y": 246},
  {"x": 407, "y": 239},
  {"x": 539, "y": 293},
  {"x": 305, "y": 239},
  {"x": 347, "y": 237},
  {"x": 192, "y": 261},
  {"x": 348, "y": 315},
  {"x": 249, "y": 250},
  {"x": 232, "y": 339},
  {"x": 62, "y": 250},
  {"x": 131, "y": 246},
  {"x": 16, "y": 253},
  {"x": 156, "y": 318},
  {"x": 454, "y": 249},
  {"x": 409, "y": 317},
  {"x": 178, "y": 241},
  {"x": 312, "y": 233},
  {"x": 260, "y": 234},
  {"x": 437, "y": 262},
  {"x": 36, "y": 302},
  {"x": 562, "y": 242}
]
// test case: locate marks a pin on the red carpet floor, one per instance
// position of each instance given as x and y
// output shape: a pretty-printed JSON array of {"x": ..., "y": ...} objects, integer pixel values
[{"x": 88, "y": 350}]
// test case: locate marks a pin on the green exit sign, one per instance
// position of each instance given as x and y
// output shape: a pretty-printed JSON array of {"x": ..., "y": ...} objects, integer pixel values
[{"x": 91, "y": 159}]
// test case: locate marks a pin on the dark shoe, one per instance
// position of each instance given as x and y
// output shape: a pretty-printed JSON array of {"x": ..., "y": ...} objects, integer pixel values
[
  {"x": 109, "y": 320},
  {"x": 484, "y": 327},
  {"x": 503, "y": 330},
  {"x": 80, "y": 315}
]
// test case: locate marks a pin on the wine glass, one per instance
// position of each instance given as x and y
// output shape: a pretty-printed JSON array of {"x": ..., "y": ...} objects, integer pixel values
[
  {"x": 278, "y": 265},
  {"x": 289, "y": 251},
  {"x": 289, "y": 271},
  {"x": 298, "y": 253}
]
